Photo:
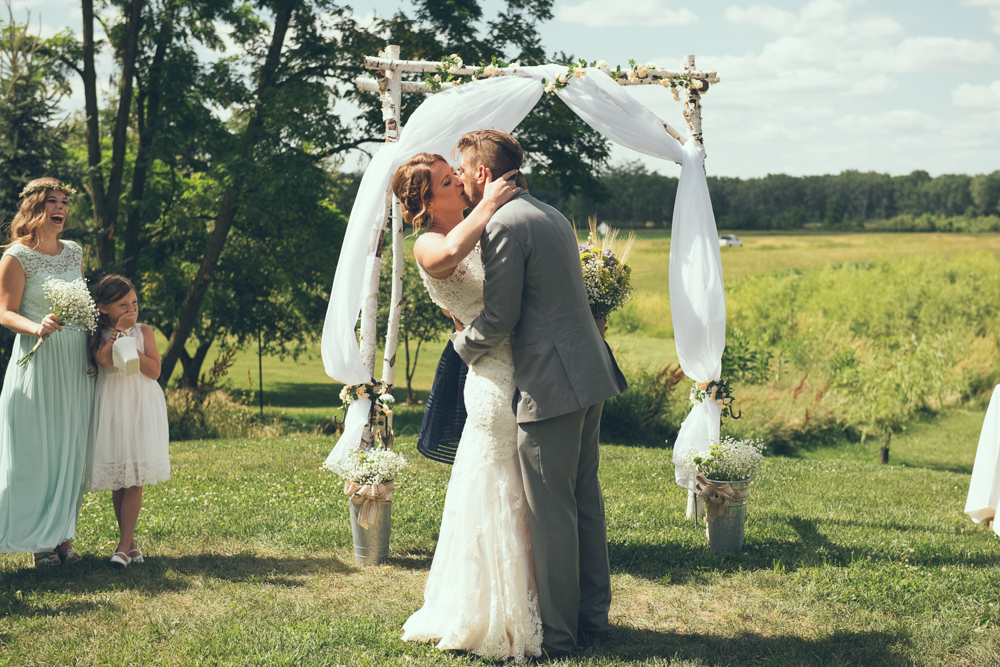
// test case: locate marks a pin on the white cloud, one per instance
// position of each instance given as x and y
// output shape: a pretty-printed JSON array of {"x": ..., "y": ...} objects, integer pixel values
[
  {"x": 645, "y": 13},
  {"x": 934, "y": 54},
  {"x": 889, "y": 123},
  {"x": 831, "y": 50},
  {"x": 992, "y": 9},
  {"x": 977, "y": 97}
]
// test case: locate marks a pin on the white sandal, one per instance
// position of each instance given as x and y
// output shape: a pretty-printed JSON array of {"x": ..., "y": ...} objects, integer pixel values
[
  {"x": 137, "y": 558},
  {"x": 120, "y": 560}
]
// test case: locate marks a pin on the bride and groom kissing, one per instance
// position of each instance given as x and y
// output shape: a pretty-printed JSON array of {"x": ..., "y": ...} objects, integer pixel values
[{"x": 521, "y": 566}]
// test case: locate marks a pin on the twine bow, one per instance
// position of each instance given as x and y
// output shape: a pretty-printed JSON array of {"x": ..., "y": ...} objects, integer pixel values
[
  {"x": 369, "y": 496},
  {"x": 717, "y": 498}
]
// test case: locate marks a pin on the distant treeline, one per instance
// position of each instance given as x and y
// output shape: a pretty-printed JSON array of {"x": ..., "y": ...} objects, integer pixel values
[{"x": 915, "y": 202}]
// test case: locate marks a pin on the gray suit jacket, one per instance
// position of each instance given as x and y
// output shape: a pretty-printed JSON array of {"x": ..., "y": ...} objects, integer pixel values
[{"x": 534, "y": 291}]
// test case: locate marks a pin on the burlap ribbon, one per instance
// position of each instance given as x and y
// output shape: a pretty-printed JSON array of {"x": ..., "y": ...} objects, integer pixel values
[
  {"x": 369, "y": 496},
  {"x": 717, "y": 498}
]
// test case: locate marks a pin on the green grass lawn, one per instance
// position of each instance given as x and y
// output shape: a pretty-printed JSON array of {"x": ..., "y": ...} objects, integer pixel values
[
  {"x": 249, "y": 561},
  {"x": 249, "y": 557}
]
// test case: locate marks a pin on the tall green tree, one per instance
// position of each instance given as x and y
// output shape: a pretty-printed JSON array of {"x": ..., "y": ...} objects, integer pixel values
[{"x": 32, "y": 82}]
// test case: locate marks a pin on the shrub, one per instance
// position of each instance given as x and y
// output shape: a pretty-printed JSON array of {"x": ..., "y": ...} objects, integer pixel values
[
  {"x": 649, "y": 412},
  {"x": 196, "y": 416}
]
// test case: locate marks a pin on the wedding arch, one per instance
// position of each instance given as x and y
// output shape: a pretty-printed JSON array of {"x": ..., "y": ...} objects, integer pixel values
[{"x": 499, "y": 97}]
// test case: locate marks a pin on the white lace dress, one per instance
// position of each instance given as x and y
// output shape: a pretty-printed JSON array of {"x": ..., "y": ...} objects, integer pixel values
[
  {"x": 480, "y": 595},
  {"x": 130, "y": 433}
]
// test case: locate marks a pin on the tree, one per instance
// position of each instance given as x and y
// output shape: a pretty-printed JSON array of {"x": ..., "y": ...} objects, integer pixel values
[
  {"x": 32, "y": 82},
  {"x": 563, "y": 153},
  {"x": 985, "y": 191},
  {"x": 420, "y": 319}
]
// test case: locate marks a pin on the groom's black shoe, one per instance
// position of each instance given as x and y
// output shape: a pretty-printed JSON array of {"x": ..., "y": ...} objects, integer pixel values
[{"x": 549, "y": 653}]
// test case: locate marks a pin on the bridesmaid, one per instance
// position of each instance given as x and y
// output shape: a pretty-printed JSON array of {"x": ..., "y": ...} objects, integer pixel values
[{"x": 45, "y": 407}]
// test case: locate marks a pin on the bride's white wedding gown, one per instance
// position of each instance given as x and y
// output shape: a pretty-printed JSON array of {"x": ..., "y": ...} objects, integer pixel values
[{"x": 480, "y": 594}]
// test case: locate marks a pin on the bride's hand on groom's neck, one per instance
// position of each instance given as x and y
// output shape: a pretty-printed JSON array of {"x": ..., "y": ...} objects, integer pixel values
[{"x": 500, "y": 191}]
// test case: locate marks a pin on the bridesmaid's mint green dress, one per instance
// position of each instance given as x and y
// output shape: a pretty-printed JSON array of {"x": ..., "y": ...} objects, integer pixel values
[{"x": 45, "y": 411}]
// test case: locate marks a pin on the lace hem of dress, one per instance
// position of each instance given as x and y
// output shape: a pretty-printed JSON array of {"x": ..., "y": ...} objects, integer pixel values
[{"x": 123, "y": 475}]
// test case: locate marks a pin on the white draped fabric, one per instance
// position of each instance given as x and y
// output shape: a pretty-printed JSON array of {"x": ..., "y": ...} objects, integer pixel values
[
  {"x": 697, "y": 300},
  {"x": 984, "y": 488}
]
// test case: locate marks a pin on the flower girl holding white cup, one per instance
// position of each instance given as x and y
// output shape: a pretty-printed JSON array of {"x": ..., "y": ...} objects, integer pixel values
[{"x": 129, "y": 426}]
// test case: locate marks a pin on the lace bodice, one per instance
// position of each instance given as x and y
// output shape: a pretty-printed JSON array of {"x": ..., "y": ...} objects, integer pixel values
[
  {"x": 461, "y": 293},
  {"x": 38, "y": 268}
]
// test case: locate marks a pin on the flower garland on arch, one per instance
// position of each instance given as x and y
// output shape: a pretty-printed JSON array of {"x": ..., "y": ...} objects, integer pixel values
[
  {"x": 380, "y": 414},
  {"x": 719, "y": 391},
  {"x": 448, "y": 68},
  {"x": 447, "y": 71}
]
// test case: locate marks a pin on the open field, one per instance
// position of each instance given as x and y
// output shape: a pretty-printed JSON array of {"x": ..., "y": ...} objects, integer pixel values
[
  {"x": 301, "y": 388},
  {"x": 249, "y": 562}
]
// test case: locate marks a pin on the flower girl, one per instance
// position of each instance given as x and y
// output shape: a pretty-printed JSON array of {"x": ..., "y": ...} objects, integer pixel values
[{"x": 129, "y": 426}]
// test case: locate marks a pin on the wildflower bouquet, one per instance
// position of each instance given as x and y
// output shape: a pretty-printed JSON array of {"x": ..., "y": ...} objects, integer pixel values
[
  {"x": 719, "y": 391},
  {"x": 728, "y": 459},
  {"x": 70, "y": 301},
  {"x": 606, "y": 275},
  {"x": 380, "y": 413}
]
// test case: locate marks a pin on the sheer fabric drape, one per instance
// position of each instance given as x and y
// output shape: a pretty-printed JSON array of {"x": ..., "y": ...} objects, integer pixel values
[
  {"x": 697, "y": 300},
  {"x": 984, "y": 487}
]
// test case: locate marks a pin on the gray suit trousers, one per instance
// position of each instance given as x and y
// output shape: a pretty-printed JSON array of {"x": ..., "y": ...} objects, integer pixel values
[{"x": 569, "y": 539}]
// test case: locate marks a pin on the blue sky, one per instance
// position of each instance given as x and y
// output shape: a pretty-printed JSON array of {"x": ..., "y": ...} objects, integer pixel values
[{"x": 808, "y": 87}]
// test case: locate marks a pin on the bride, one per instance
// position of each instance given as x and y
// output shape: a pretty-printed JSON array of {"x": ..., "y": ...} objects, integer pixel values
[{"x": 480, "y": 594}]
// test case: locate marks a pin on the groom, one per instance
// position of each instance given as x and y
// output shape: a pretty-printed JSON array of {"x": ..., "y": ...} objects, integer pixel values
[{"x": 534, "y": 292}]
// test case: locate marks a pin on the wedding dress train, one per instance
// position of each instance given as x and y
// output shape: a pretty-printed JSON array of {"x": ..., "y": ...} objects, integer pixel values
[{"x": 480, "y": 594}]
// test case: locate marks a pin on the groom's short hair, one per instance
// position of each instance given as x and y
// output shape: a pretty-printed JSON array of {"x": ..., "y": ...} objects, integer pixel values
[{"x": 497, "y": 151}]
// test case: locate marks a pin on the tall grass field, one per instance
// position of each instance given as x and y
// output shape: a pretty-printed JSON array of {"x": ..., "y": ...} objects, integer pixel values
[{"x": 248, "y": 548}]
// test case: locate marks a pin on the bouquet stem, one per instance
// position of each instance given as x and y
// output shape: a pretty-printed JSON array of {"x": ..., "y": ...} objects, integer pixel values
[{"x": 23, "y": 361}]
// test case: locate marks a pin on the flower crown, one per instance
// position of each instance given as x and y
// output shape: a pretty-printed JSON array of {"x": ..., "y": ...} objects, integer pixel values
[{"x": 62, "y": 187}]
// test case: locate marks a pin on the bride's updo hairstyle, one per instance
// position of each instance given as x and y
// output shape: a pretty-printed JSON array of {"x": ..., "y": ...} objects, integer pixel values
[{"x": 412, "y": 187}]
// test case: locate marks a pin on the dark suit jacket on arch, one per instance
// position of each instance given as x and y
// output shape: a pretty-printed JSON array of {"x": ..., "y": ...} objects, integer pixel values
[{"x": 534, "y": 291}]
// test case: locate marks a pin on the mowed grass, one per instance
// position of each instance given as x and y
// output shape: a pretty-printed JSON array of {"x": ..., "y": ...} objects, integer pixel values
[{"x": 249, "y": 562}]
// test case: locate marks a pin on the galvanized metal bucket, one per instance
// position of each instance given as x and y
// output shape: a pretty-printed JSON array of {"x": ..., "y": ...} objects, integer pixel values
[
  {"x": 371, "y": 545},
  {"x": 725, "y": 533}
]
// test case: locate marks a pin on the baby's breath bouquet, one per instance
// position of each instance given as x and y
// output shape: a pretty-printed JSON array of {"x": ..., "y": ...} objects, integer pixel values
[
  {"x": 70, "y": 301},
  {"x": 377, "y": 465},
  {"x": 728, "y": 459},
  {"x": 606, "y": 274},
  {"x": 371, "y": 480}
]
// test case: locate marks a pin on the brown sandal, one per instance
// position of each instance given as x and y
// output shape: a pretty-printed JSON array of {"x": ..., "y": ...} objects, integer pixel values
[
  {"x": 69, "y": 556},
  {"x": 45, "y": 559}
]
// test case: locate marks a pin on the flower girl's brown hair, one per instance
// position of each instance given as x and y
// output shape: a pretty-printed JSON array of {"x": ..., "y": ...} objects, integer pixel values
[
  {"x": 111, "y": 288},
  {"x": 412, "y": 186}
]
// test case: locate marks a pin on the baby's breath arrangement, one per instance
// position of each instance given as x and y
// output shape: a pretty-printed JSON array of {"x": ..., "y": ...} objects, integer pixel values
[
  {"x": 606, "y": 275},
  {"x": 374, "y": 466},
  {"x": 71, "y": 302},
  {"x": 728, "y": 459}
]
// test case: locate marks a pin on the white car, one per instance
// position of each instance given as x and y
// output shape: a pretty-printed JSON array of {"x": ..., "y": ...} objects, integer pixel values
[{"x": 730, "y": 241}]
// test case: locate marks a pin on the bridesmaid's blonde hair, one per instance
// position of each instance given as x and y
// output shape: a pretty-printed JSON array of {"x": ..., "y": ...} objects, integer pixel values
[
  {"x": 31, "y": 210},
  {"x": 412, "y": 186}
]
